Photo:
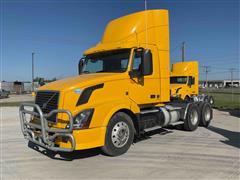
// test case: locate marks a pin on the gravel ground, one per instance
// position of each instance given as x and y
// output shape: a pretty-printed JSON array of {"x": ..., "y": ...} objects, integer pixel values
[
  {"x": 211, "y": 153},
  {"x": 17, "y": 98}
]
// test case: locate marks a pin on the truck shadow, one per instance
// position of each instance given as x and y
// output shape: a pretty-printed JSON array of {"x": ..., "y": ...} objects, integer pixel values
[
  {"x": 233, "y": 138},
  {"x": 148, "y": 135},
  {"x": 232, "y": 112},
  {"x": 66, "y": 156},
  {"x": 82, "y": 154}
]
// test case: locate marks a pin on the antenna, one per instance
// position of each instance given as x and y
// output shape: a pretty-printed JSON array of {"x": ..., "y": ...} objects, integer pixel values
[
  {"x": 145, "y": 8},
  {"x": 183, "y": 51},
  {"x": 145, "y": 3}
]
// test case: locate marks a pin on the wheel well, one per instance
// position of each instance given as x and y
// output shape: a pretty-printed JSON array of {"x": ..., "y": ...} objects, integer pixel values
[{"x": 133, "y": 117}]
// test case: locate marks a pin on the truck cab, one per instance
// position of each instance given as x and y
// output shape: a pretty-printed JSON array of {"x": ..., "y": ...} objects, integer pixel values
[
  {"x": 184, "y": 80},
  {"x": 121, "y": 92}
]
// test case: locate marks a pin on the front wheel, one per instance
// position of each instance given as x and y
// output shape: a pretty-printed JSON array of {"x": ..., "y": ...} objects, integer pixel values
[{"x": 119, "y": 135}]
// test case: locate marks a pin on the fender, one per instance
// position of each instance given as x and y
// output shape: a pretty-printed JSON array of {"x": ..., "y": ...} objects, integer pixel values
[
  {"x": 115, "y": 109},
  {"x": 129, "y": 105}
]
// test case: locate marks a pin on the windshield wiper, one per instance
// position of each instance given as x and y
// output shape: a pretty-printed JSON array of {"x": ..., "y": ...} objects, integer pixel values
[{"x": 86, "y": 72}]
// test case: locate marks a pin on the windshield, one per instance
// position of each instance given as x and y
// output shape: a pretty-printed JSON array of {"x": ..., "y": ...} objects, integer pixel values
[
  {"x": 110, "y": 61},
  {"x": 178, "y": 80}
]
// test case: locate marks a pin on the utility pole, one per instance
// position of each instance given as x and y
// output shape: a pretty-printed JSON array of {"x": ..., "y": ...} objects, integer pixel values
[
  {"x": 206, "y": 69},
  {"x": 33, "y": 71},
  {"x": 183, "y": 51},
  {"x": 231, "y": 71}
]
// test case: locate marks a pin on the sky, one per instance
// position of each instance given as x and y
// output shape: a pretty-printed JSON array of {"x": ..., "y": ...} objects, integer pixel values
[{"x": 58, "y": 32}]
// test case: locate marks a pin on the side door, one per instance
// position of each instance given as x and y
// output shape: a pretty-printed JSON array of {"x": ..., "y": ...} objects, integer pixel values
[
  {"x": 144, "y": 89},
  {"x": 192, "y": 85}
]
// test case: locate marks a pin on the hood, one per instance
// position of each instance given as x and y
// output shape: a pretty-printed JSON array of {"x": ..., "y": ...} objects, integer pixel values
[
  {"x": 81, "y": 81},
  {"x": 176, "y": 86}
]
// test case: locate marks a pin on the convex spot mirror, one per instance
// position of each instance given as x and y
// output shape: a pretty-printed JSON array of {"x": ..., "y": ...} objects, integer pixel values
[
  {"x": 191, "y": 80},
  {"x": 80, "y": 65},
  {"x": 147, "y": 63}
]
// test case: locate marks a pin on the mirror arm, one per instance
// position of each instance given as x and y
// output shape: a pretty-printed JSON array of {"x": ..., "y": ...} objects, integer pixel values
[{"x": 130, "y": 73}]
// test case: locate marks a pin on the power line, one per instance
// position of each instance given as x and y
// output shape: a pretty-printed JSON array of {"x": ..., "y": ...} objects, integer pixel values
[
  {"x": 223, "y": 62},
  {"x": 175, "y": 48},
  {"x": 224, "y": 56},
  {"x": 221, "y": 68}
]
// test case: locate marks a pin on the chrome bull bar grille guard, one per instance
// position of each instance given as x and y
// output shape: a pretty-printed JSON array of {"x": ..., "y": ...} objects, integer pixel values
[{"x": 47, "y": 135}]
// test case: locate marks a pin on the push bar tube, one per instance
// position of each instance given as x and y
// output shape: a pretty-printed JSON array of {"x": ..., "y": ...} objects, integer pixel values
[{"x": 47, "y": 137}]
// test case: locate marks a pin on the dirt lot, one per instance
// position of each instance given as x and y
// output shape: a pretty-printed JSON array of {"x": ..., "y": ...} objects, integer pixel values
[
  {"x": 17, "y": 98},
  {"x": 203, "y": 154}
]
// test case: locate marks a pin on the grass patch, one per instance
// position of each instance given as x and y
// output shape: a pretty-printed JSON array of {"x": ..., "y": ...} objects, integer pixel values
[
  {"x": 224, "y": 99},
  {"x": 8, "y": 104}
]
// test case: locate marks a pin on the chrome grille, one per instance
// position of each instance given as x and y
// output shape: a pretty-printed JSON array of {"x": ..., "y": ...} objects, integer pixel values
[{"x": 48, "y": 101}]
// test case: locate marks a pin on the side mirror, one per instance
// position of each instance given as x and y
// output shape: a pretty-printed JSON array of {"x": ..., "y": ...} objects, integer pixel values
[
  {"x": 191, "y": 81},
  {"x": 147, "y": 63},
  {"x": 80, "y": 65}
]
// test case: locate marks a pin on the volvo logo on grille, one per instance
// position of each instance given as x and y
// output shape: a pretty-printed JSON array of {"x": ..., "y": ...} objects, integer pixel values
[{"x": 44, "y": 106}]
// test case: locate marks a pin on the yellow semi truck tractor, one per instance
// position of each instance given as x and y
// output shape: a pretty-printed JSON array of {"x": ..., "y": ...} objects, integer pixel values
[
  {"x": 184, "y": 80},
  {"x": 184, "y": 83},
  {"x": 122, "y": 91}
]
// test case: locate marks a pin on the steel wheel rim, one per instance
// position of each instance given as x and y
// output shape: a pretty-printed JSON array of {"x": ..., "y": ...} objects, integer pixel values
[
  {"x": 207, "y": 114},
  {"x": 120, "y": 134},
  {"x": 194, "y": 117}
]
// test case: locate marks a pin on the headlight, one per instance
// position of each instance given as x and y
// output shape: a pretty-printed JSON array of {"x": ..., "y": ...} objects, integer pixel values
[{"x": 83, "y": 119}]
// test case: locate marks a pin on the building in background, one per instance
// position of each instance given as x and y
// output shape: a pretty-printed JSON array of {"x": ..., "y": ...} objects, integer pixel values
[
  {"x": 8, "y": 86},
  {"x": 219, "y": 83},
  {"x": 18, "y": 87}
]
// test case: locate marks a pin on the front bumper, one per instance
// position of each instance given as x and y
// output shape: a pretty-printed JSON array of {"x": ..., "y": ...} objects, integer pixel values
[{"x": 41, "y": 134}]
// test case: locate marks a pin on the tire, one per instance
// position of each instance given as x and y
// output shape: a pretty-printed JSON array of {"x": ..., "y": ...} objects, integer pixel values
[
  {"x": 120, "y": 127},
  {"x": 187, "y": 99},
  {"x": 192, "y": 118},
  {"x": 206, "y": 114}
]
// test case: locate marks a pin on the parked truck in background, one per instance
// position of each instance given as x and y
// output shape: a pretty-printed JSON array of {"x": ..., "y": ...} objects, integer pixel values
[
  {"x": 184, "y": 82},
  {"x": 122, "y": 91}
]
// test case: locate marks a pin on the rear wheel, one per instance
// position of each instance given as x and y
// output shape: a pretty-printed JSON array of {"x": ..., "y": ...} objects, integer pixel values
[
  {"x": 187, "y": 99},
  {"x": 206, "y": 114},
  {"x": 192, "y": 118},
  {"x": 119, "y": 135}
]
